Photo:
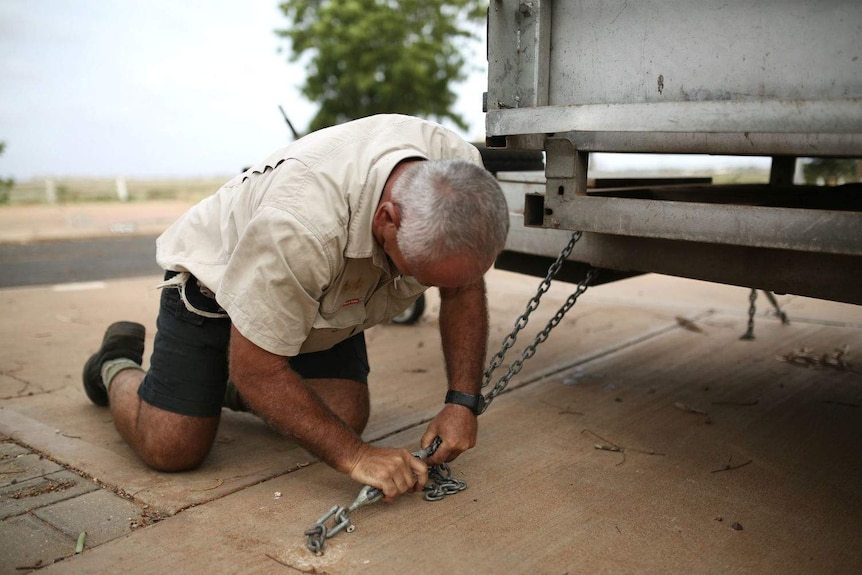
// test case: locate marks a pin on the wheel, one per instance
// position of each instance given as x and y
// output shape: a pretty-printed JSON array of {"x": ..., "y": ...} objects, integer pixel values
[{"x": 412, "y": 314}]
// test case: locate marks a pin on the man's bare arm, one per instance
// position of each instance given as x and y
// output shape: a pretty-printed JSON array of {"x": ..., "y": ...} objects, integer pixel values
[{"x": 279, "y": 395}]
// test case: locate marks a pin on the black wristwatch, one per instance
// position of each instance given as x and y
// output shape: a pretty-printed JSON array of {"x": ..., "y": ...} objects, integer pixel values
[{"x": 473, "y": 402}]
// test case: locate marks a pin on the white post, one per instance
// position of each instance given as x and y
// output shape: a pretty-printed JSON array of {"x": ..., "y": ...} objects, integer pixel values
[
  {"x": 50, "y": 191},
  {"x": 122, "y": 190},
  {"x": 798, "y": 173}
]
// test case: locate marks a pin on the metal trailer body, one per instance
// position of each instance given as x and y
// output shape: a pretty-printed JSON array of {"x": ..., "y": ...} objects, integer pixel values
[{"x": 777, "y": 78}]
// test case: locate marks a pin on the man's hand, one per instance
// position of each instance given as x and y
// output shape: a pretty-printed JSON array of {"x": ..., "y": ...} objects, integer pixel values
[
  {"x": 457, "y": 427},
  {"x": 393, "y": 471}
]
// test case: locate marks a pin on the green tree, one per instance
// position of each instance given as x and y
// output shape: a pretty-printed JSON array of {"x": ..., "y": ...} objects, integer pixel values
[
  {"x": 368, "y": 57},
  {"x": 5, "y": 184}
]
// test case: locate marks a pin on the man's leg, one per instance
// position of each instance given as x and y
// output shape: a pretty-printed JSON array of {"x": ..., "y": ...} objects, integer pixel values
[
  {"x": 347, "y": 398},
  {"x": 169, "y": 415},
  {"x": 165, "y": 441}
]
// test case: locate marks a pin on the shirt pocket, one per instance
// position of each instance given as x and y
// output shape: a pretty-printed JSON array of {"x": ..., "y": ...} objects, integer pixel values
[{"x": 343, "y": 303}]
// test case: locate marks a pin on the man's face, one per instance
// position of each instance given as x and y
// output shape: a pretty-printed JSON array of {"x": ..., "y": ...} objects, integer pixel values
[{"x": 450, "y": 272}]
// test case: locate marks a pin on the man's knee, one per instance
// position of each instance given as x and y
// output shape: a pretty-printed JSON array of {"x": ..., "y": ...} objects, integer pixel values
[
  {"x": 357, "y": 421},
  {"x": 176, "y": 442},
  {"x": 173, "y": 460}
]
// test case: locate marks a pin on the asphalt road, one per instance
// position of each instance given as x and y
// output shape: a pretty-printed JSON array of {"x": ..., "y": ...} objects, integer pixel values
[{"x": 42, "y": 263}]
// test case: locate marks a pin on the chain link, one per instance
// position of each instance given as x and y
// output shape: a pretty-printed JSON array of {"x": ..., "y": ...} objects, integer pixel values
[{"x": 509, "y": 341}]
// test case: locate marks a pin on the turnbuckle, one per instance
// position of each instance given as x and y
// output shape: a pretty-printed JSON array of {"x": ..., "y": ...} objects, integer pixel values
[{"x": 317, "y": 535}]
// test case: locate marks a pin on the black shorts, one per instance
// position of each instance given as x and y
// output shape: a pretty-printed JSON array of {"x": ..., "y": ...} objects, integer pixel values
[{"x": 189, "y": 366}]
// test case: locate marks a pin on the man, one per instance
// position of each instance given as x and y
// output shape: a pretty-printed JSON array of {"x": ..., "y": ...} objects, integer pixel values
[{"x": 271, "y": 281}]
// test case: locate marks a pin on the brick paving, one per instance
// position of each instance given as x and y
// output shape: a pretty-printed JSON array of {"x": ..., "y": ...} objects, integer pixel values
[{"x": 45, "y": 507}]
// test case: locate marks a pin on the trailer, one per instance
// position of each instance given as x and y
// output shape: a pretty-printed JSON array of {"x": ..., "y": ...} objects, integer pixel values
[{"x": 775, "y": 79}]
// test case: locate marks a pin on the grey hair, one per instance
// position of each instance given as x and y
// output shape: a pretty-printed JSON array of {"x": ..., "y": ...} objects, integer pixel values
[{"x": 450, "y": 207}]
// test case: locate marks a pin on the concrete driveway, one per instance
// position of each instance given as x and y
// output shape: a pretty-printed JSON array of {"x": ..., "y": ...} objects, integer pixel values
[{"x": 643, "y": 437}]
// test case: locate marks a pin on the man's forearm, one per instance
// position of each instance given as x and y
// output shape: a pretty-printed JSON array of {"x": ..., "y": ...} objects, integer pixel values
[
  {"x": 464, "y": 335},
  {"x": 299, "y": 414},
  {"x": 277, "y": 394}
]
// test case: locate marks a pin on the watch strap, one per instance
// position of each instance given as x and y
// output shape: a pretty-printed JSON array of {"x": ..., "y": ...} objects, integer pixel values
[{"x": 475, "y": 402}]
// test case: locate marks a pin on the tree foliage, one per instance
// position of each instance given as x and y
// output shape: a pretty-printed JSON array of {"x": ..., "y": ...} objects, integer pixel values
[
  {"x": 368, "y": 57},
  {"x": 5, "y": 183}
]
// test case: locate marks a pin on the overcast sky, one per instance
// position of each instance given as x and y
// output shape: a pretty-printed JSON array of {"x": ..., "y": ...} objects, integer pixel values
[
  {"x": 156, "y": 88},
  {"x": 151, "y": 87}
]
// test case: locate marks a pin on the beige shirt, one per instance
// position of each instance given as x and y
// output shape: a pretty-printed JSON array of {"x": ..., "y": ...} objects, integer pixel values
[{"x": 287, "y": 246}]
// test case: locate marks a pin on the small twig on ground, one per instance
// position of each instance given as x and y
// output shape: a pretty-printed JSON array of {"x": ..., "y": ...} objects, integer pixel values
[
  {"x": 280, "y": 562},
  {"x": 688, "y": 324},
  {"x": 844, "y": 403},
  {"x": 38, "y": 565},
  {"x": 312, "y": 569},
  {"x": 596, "y": 435},
  {"x": 615, "y": 448},
  {"x": 729, "y": 467},
  {"x": 219, "y": 483},
  {"x": 739, "y": 403},
  {"x": 689, "y": 409}
]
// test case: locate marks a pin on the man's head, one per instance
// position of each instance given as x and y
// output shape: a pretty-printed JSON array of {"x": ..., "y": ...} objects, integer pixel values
[{"x": 450, "y": 221}]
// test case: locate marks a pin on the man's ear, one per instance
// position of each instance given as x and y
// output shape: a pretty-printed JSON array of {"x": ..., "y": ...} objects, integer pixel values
[{"x": 387, "y": 215}]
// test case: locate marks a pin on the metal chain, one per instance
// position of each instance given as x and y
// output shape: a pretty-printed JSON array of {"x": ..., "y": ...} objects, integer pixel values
[
  {"x": 779, "y": 313},
  {"x": 441, "y": 481},
  {"x": 521, "y": 323},
  {"x": 752, "y": 297}
]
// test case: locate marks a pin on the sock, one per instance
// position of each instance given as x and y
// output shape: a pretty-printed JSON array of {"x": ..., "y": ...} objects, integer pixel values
[{"x": 112, "y": 367}]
